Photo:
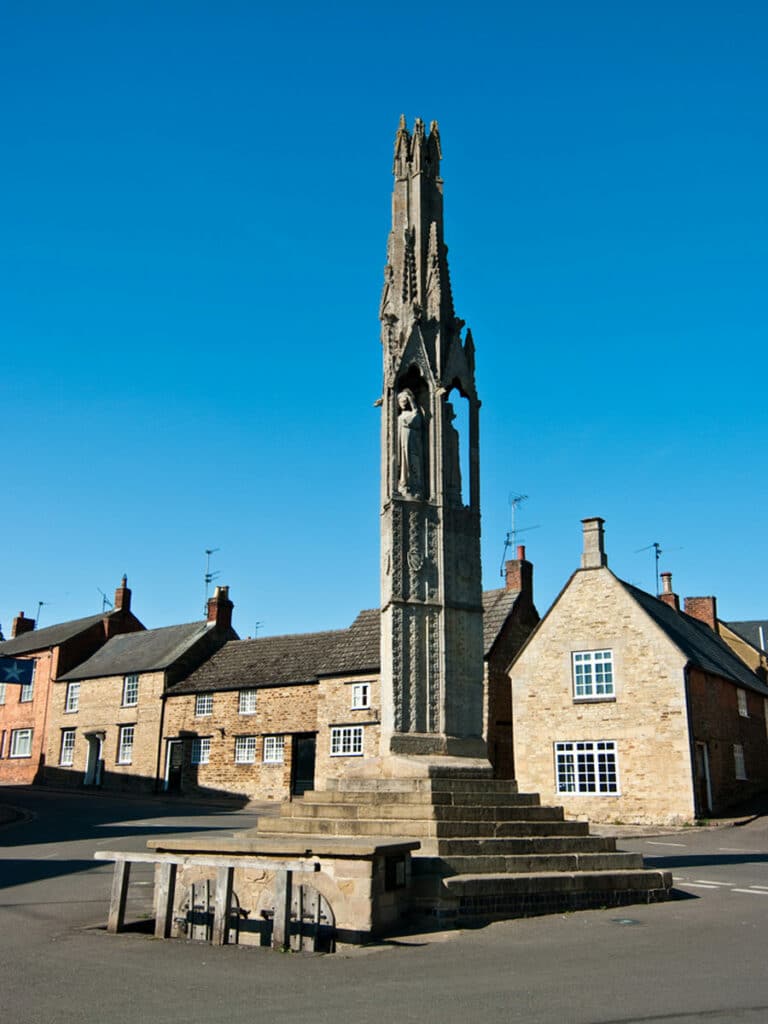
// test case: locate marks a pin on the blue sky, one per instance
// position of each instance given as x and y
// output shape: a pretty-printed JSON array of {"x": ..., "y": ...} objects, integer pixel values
[{"x": 195, "y": 203}]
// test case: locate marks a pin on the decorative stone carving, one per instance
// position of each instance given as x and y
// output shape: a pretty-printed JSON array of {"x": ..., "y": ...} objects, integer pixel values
[{"x": 410, "y": 433}]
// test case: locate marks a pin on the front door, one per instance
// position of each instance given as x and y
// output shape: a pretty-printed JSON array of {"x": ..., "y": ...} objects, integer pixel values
[
  {"x": 703, "y": 781},
  {"x": 303, "y": 773},
  {"x": 95, "y": 761},
  {"x": 174, "y": 764}
]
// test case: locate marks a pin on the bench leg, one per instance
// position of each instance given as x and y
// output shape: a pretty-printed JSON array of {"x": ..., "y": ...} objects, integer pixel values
[
  {"x": 281, "y": 926},
  {"x": 120, "y": 881},
  {"x": 222, "y": 906},
  {"x": 165, "y": 889}
]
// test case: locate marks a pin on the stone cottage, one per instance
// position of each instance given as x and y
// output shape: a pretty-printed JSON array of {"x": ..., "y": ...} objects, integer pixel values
[{"x": 626, "y": 709}]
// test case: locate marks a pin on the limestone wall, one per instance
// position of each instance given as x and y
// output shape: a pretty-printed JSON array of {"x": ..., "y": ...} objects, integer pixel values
[{"x": 335, "y": 710}]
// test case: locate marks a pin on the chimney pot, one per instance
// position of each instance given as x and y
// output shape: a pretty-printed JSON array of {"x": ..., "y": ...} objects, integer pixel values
[
  {"x": 521, "y": 552},
  {"x": 21, "y": 625},
  {"x": 123, "y": 596},
  {"x": 667, "y": 595},
  {"x": 593, "y": 555},
  {"x": 519, "y": 573},
  {"x": 220, "y": 608},
  {"x": 666, "y": 582}
]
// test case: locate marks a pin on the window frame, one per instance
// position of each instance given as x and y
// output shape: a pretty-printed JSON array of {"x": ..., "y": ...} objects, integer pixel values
[
  {"x": 2, "y": 693},
  {"x": 201, "y": 698},
  {"x": 346, "y": 741},
  {"x": 742, "y": 702},
  {"x": 594, "y": 661},
  {"x": 578, "y": 761},
  {"x": 130, "y": 683},
  {"x": 246, "y": 701},
  {"x": 122, "y": 746},
  {"x": 73, "y": 688},
  {"x": 27, "y": 692},
  {"x": 273, "y": 749},
  {"x": 245, "y": 749},
  {"x": 739, "y": 763},
  {"x": 13, "y": 746},
  {"x": 201, "y": 750},
  {"x": 65, "y": 747},
  {"x": 361, "y": 696}
]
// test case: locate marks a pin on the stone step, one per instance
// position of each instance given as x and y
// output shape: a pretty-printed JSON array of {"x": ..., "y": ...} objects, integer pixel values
[
  {"x": 495, "y": 847},
  {"x": 434, "y": 785},
  {"x": 483, "y": 797},
  {"x": 537, "y": 863},
  {"x": 441, "y": 812}
]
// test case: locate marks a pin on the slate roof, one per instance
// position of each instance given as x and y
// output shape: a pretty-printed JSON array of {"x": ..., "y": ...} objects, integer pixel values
[
  {"x": 48, "y": 636},
  {"x": 750, "y": 631},
  {"x": 357, "y": 649},
  {"x": 147, "y": 651},
  {"x": 497, "y": 604},
  {"x": 266, "y": 661},
  {"x": 701, "y": 645}
]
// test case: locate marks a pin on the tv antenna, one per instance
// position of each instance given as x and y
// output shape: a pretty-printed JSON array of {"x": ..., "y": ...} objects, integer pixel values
[
  {"x": 515, "y": 501},
  {"x": 209, "y": 576},
  {"x": 657, "y": 552},
  {"x": 40, "y": 604},
  {"x": 256, "y": 627},
  {"x": 105, "y": 601}
]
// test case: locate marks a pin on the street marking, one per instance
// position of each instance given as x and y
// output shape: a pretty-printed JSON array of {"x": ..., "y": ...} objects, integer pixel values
[
  {"x": 651, "y": 843},
  {"x": 732, "y": 849},
  {"x": 755, "y": 886},
  {"x": 751, "y": 892},
  {"x": 707, "y": 881},
  {"x": 699, "y": 885}
]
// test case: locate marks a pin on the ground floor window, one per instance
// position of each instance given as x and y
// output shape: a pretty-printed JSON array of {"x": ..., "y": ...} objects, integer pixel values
[
  {"x": 245, "y": 749},
  {"x": 346, "y": 741},
  {"x": 21, "y": 743},
  {"x": 67, "y": 755},
  {"x": 125, "y": 745},
  {"x": 586, "y": 767},
  {"x": 738, "y": 761},
  {"x": 201, "y": 750},
  {"x": 274, "y": 749}
]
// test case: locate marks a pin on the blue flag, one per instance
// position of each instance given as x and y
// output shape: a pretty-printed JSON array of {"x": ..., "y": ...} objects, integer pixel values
[{"x": 17, "y": 670}]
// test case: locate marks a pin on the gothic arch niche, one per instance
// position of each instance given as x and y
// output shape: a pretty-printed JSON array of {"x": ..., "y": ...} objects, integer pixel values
[
  {"x": 412, "y": 420},
  {"x": 456, "y": 446}
]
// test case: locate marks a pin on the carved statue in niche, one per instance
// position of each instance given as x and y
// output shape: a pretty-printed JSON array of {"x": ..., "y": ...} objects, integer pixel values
[
  {"x": 410, "y": 445},
  {"x": 452, "y": 465}
]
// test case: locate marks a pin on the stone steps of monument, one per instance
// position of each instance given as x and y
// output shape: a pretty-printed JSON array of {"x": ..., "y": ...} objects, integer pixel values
[
  {"x": 542, "y": 862},
  {"x": 487, "y": 896},
  {"x": 439, "y": 812},
  {"x": 443, "y": 784},
  {"x": 572, "y": 834},
  {"x": 481, "y": 798},
  {"x": 486, "y": 846}
]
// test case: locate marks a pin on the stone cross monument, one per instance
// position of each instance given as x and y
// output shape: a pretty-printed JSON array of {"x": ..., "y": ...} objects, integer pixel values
[{"x": 431, "y": 591}]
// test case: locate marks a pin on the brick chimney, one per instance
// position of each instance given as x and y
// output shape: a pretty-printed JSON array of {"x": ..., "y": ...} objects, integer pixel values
[
  {"x": 123, "y": 597},
  {"x": 704, "y": 609},
  {"x": 519, "y": 573},
  {"x": 593, "y": 555},
  {"x": 220, "y": 608},
  {"x": 667, "y": 595},
  {"x": 21, "y": 625}
]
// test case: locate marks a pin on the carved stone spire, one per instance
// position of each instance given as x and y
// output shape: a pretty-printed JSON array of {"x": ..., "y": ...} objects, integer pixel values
[{"x": 431, "y": 599}]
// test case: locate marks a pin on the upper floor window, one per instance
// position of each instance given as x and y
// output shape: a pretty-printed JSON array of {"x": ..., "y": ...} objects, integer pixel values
[
  {"x": 592, "y": 675},
  {"x": 586, "y": 767},
  {"x": 27, "y": 690},
  {"x": 247, "y": 704},
  {"x": 2, "y": 693},
  {"x": 361, "y": 696},
  {"x": 274, "y": 746},
  {"x": 72, "y": 700},
  {"x": 741, "y": 697},
  {"x": 203, "y": 704},
  {"x": 130, "y": 691},
  {"x": 21, "y": 743}
]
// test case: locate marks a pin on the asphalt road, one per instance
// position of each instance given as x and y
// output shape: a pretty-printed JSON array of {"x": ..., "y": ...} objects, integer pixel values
[{"x": 698, "y": 958}]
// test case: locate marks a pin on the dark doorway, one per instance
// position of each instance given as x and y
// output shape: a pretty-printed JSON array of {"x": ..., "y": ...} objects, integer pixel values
[
  {"x": 303, "y": 774},
  {"x": 174, "y": 766}
]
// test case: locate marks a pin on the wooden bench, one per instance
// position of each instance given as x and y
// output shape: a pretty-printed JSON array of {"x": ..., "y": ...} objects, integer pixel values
[{"x": 165, "y": 889}]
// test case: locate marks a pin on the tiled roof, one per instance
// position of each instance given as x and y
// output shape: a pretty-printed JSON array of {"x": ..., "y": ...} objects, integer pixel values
[
  {"x": 497, "y": 604},
  {"x": 48, "y": 636},
  {"x": 703, "y": 647},
  {"x": 750, "y": 631},
  {"x": 147, "y": 651},
  {"x": 266, "y": 661},
  {"x": 358, "y": 649}
]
